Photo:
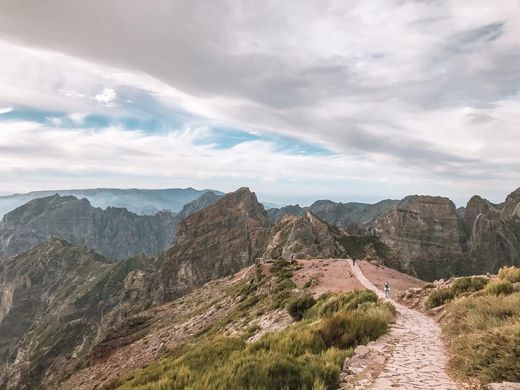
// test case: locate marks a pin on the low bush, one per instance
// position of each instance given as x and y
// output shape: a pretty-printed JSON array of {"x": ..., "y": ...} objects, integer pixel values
[
  {"x": 468, "y": 284},
  {"x": 440, "y": 297},
  {"x": 299, "y": 305},
  {"x": 512, "y": 274},
  {"x": 501, "y": 287},
  {"x": 343, "y": 302},
  {"x": 346, "y": 330}
]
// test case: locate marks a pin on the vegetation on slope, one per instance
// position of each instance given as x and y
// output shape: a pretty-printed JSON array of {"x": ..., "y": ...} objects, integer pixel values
[
  {"x": 484, "y": 329},
  {"x": 308, "y": 354}
]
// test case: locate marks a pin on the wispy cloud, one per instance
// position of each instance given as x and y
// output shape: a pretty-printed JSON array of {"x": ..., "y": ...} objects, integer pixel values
[{"x": 423, "y": 90}]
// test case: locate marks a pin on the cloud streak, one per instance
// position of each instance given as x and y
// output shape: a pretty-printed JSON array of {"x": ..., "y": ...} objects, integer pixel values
[{"x": 429, "y": 90}]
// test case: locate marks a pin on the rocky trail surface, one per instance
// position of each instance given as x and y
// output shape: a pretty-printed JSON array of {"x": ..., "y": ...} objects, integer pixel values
[{"x": 411, "y": 356}]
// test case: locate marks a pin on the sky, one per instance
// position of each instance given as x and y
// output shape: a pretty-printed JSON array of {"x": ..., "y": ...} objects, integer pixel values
[{"x": 298, "y": 100}]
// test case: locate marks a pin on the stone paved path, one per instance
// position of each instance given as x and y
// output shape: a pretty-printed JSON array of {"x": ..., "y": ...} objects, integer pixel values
[{"x": 418, "y": 360}]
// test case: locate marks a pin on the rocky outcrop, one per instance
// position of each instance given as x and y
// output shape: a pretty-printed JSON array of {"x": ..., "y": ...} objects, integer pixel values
[
  {"x": 492, "y": 234},
  {"x": 113, "y": 232},
  {"x": 214, "y": 242},
  {"x": 301, "y": 237},
  {"x": 339, "y": 214},
  {"x": 424, "y": 234},
  {"x": 432, "y": 239}
]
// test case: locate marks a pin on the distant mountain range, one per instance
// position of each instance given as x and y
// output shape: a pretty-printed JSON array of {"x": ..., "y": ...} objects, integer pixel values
[
  {"x": 113, "y": 232},
  {"x": 138, "y": 201}
]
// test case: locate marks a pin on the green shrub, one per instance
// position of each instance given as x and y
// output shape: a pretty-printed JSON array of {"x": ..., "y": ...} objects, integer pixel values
[
  {"x": 346, "y": 301},
  {"x": 440, "y": 297},
  {"x": 345, "y": 330},
  {"x": 299, "y": 305},
  {"x": 306, "y": 355},
  {"x": 468, "y": 284},
  {"x": 502, "y": 287},
  {"x": 511, "y": 274}
]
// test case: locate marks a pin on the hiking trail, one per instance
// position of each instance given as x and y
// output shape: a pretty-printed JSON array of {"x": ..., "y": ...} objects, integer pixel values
[{"x": 417, "y": 358}]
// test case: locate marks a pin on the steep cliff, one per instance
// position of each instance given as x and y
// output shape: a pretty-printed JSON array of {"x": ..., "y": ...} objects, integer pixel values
[
  {"x": 492, "y": 233},
  {"x": 430, "y": 237},
  {"x": 113, "y": 232},
  {"x": 216, "y": 241},
  {"x": 423, "y": 232}
]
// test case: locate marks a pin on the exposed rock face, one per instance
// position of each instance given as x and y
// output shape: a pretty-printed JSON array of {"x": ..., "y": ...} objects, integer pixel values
[
  {"x": 214, "y": 242},
  {"x": 112, "y": 232},
  {"x": 492, "y": 234},
  {"x": 423, "y": 232},
  {"x": 429, "y": 237},
  {"x": 300, "y": 238},
  {"x": 54, "y": 300},
  {"x": 340, "y": 214}
]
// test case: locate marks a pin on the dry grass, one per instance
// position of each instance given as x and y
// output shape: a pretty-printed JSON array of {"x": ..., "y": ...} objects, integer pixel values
[{"x": 484, "y": 329}]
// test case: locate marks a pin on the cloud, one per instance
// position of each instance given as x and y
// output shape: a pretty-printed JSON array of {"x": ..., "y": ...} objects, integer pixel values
[
  {"x": 429, "y": 90},
  {"x": 106, "y": 97},
  {"x": 5, "y": 110}
]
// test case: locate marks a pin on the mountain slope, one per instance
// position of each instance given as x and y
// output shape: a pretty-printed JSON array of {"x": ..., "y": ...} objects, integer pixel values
[
  {"x": 62, "y": 306},
  {"x": 53, "y": 300},
  {"x": 112, "y": 232}
]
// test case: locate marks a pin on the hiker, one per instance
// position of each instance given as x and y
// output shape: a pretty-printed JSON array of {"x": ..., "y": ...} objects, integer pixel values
[
  {"x": 354, "y": 262},
  {"x": 387, "y": 290}
]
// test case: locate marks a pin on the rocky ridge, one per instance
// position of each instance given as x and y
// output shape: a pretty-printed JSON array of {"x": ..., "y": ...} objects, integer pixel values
[
  {"x": 339, "y": 214},
  {"x": 302, "y": 237},
  {"x": 430, "y": 238}
]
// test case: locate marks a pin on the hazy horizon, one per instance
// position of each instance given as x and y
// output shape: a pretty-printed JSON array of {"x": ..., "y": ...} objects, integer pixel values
[{"x": 279, "y": 202}]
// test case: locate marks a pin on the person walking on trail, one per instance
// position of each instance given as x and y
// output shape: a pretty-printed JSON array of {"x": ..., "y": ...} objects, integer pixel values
[
  {"x": 387, "y": 290},
  {"x": 354, "y": 262}
]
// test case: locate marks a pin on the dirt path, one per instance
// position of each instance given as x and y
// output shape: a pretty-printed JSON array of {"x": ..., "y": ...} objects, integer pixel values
[{"x": 418, "y": 359}]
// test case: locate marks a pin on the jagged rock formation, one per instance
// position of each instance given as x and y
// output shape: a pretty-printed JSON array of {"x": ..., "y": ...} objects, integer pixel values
[
  {"x": 112, "y": 232},
  {"x": 142, "y": 202},
  {"x": 431, "y": 238},
  {"x": 53, "y": 301},
  {"x": 339, "y": 214},
  {"x": 218, "y": 240},
  {"x": 423, "y": 232},
  {"x": 492, "y": 234},
  {"x": 302, "y": 237}
]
